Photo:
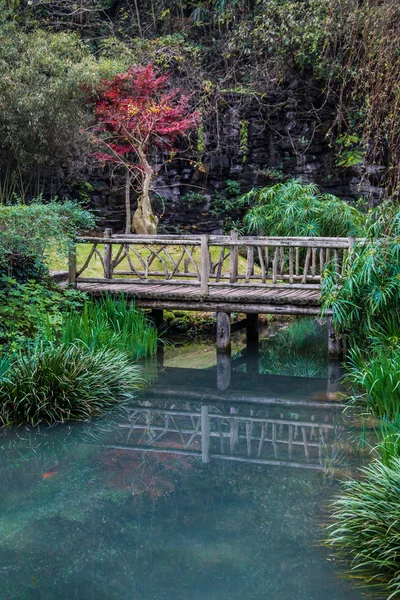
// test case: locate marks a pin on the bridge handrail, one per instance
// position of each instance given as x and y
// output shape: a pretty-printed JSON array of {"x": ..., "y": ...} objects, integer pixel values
[{"x": 269, "y": 261}]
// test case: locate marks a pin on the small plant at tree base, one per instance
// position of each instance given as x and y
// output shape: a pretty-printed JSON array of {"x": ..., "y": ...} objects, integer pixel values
[{"x": 136, "y": 115}]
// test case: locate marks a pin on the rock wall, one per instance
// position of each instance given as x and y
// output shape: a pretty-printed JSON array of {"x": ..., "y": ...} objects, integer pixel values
[{"x": 254, "y": 141}]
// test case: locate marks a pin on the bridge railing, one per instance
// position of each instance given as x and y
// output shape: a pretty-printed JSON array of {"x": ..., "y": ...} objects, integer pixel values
[{"x": 208, "y": 260}]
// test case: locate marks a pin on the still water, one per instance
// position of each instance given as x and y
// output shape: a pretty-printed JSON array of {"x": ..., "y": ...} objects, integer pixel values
[{"x": 210, "y": 486}]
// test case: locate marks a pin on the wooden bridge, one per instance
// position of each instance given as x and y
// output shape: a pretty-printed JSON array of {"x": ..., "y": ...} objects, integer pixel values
[{"x": 218, "y": 273}]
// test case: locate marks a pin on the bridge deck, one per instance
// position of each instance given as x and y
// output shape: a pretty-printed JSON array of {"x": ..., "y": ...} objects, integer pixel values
[{"x": 257, "y": 299}]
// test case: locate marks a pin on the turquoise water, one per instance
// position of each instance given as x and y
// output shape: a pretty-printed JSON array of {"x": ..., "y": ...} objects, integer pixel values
[{"x": 189, "y": 492}]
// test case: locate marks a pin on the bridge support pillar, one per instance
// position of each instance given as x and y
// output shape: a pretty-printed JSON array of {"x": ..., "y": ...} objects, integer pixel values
[
  {"x": 223, "y": 370},
  {"x": 335, "y": 346},
  {"x": 223, "y": 331},
  {"x": 252, "y": 329},
  {"x": 157, "y": 316}
]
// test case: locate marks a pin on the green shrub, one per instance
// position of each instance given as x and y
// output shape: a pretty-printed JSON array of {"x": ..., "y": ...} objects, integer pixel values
[
  {"x": 52, "y": 382},
  {"x": 27, "y": 231},
  {"x": 24, "y": 306},
  {"x": 106, "y": 323},
  {"x": 298, "y": 209},
  {"x": 366, "y": 525}
]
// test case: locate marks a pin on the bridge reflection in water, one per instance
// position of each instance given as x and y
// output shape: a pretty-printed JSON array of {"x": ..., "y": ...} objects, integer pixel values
[{"x": 256, "y": 419}]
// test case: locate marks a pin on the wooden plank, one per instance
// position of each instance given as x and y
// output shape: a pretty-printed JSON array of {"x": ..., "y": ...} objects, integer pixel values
[
  {"x": 306, "y": 265},
  {"x": 107, "y": 258},
  {"x": 234, "y": 257},
  {"x": 250, "y": 263},
  {"x": 204, "y": 265},
  {"x": 275, "y": 265}
]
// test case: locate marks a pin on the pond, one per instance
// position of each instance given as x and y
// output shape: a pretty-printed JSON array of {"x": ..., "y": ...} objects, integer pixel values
[{"x": 210, "y": 486}]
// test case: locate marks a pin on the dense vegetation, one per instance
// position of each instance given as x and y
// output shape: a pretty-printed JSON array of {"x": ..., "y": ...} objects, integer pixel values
[
  {"x": 298, "y": 209},
  {"x": 365, "y": 301},
  {"x": 62, "y": 356},
  {"x": 65, "y": 65},
  {"x": 347, "y": 52}
]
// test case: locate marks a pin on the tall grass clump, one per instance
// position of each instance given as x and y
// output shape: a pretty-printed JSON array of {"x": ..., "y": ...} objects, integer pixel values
[
  {"x": 376, "y": 376},
  {"x": 58, "y": 382},
  {"x": 110, "y": 322},
  {"x": 365, "y": 525}
]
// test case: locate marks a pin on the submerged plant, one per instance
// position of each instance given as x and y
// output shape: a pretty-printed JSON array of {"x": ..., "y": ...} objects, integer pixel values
[{"x": 66, "y": 381}]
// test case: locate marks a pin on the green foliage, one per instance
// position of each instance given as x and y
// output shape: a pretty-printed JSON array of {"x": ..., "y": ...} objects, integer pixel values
[
  {"x": 298, "y": 209},
  {"x": 227, "y": 204},
  {"x": 366, "y": 527},
  {"x": 365, "y": 297},
  {"x": 65, "y": 381},
  {"x": 46, "y": 80},
  {"x": 109, "y": 323},
  {"x": 376, "y": 375},
  {"x": 25, "y": 306},
  {"x": 27, "y": 231},
  {"x": 244, "y": 140},
  {"x": 349, "y": 152}
]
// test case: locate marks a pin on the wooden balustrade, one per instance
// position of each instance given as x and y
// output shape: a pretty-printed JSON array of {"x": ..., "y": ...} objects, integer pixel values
[{"x": 210, "y": 260}]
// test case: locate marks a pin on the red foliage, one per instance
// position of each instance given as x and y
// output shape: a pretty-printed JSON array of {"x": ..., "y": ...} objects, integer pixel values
[{"x": 135, "y": 112}]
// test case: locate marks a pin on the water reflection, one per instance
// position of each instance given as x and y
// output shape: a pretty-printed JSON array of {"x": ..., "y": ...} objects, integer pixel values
[{"x": 210, "y": 486}]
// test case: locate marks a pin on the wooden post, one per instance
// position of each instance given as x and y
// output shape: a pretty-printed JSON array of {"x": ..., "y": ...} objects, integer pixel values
[
  {"x": 107, "y": 255},
  {"x": 205, "y": 435},
  {"x": 72, "y": 266},
  {"x": 204, "y": 265},
  {"x": 352, "y": 241},
  {"x": 334, "y": 342},
  {"x": 252, "y": 328},
  {"x": 223, "y": 331},
  {"x": 234, "y": 257},
  {"x": 223, "y": 370}
]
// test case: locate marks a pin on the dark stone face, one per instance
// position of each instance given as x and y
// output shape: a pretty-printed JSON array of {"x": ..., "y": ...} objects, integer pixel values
[{"x": 286, "y": 136}]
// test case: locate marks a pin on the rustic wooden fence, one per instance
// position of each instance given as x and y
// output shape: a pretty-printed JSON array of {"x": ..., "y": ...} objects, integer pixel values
[{"x": 208, "y": 260}]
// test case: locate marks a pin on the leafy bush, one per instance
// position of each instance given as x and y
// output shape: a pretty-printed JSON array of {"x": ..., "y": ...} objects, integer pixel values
[
  {"x": 366, "y": 526},
  {"x": 107, "y": 323},
  {"x": 26, "y": 232},
  {"x": 47, "y": 78},
  {"x": 24, "y": 306},
  {"x": 60, "y": 382},
  {"x": 297, "y": 209}
]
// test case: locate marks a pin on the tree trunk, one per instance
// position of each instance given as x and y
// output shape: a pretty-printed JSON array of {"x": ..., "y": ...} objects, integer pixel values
[
  {"x": 128, "y": 201},
  {"x": 144, "y": 221}
]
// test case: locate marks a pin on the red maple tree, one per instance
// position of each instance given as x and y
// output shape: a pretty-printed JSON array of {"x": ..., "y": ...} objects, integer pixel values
[{"x": 137, "y": 114}]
